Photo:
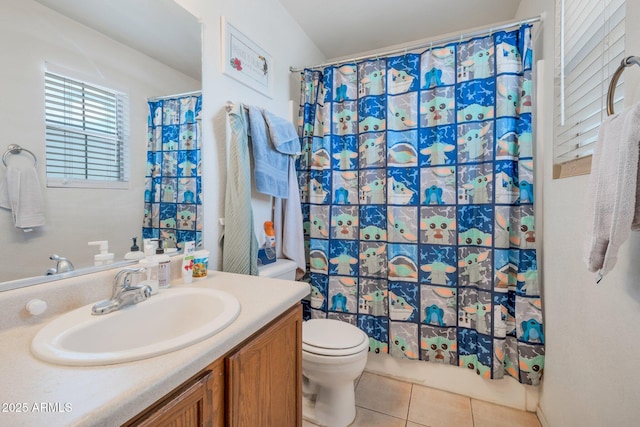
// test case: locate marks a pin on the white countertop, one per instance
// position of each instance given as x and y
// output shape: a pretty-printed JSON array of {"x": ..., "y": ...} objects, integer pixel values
[{"x": 52, "y": 395}]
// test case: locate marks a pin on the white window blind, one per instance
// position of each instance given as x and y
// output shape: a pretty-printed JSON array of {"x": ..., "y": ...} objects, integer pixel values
[
  {"x": 590, "y": 46},
  {"x": 87, "y": 134}
]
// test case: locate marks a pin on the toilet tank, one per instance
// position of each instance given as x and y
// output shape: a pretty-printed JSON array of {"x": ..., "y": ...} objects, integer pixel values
[{"x": 281, "y": 269}]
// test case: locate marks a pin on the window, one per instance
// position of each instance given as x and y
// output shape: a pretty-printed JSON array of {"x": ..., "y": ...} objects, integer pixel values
[
  {"x": 590, "y": 46},
  {"x": 87, "y": 134}
]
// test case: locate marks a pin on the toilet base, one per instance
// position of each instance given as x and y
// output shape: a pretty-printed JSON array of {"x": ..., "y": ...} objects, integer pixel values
[
  {"x": 309, "y": 409},
  {"x": 330, "y": 407}
]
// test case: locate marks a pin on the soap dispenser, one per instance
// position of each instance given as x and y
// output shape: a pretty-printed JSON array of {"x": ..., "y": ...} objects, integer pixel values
[
  {"x": 135, "y": 252},
  {"x": 164, "y": 265},
  {"x": 104, "y": 257},
  {"x": 151, "y": 268}
]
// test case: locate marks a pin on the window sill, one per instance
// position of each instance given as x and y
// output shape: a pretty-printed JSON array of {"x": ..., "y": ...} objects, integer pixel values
[
  {"x": 77, "y": 183},
  {"x": 577, "y": 167}
]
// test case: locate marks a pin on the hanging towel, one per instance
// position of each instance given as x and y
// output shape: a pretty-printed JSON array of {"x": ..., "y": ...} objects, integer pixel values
[
  {"x": 21, "y": 193},
  {"x": 239, "y": 243},
  {"x": 613, "y": 193},
  {"x": 271, "y": 168},
  {"x": 288, "y": 223},
  {"x": 283, "y": 134}
]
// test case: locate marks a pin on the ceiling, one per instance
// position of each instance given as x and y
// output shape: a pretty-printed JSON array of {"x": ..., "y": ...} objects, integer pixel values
[
  {"x": 161, "y": 29},
  {"x": 340, "y": 28}
]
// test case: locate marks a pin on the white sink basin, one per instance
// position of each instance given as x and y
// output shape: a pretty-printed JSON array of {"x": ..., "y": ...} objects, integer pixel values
[{"x": 170, "y": 320}]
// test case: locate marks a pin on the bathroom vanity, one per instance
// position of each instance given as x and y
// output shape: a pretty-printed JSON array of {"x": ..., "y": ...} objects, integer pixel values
[
  {"x": 247, "y": 374},
  {"x": 259, "y": 383}
]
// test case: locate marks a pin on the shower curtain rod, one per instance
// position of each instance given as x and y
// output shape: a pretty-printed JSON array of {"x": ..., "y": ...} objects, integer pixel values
[
  {"x": 175, "y": 95},
  {"x": 427, "y": 43}
]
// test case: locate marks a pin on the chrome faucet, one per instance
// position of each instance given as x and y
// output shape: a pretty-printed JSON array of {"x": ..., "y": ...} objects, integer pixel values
[
  {"x": 124, "y": 293},
  {"x": 62, "y": 266}
]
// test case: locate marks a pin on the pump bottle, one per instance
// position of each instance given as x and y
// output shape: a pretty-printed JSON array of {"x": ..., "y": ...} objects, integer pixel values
[
  {"x": 164, "y": 265},
  {"x": 104, "y": 257},
  {"x": 135, "y": 252}
]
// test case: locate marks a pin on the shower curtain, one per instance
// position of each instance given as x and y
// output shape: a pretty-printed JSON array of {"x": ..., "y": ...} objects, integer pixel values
[
  {"x": 417, "y": 190},
  {"x": 172, "y": 196}
]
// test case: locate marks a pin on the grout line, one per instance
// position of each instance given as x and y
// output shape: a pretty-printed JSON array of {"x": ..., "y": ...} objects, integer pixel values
[
  {"x": 381, "y": 413},
  {"x": 473, "y": 421},
  {"x": 409, "y": 405}
]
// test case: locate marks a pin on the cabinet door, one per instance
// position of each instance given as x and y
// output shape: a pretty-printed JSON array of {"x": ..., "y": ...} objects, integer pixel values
[
  {"x": 198, "y": 402},
  {"x": 264, "y": 376}
]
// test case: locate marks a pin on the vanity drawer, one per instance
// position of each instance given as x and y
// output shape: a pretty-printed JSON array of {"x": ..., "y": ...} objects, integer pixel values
[{"x": 198, "y": 402}]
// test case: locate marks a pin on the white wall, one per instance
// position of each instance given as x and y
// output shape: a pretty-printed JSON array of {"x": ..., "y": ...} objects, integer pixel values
[
  {"x": 31, "y": 34},
  {"x": 267, "y": 24},
  {"x": 590, "y": 378}
]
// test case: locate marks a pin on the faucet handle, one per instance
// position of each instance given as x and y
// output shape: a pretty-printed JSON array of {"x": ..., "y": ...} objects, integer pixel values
[
  {"x": 135, "y": 270},
  {"x": 122, "y": 281},
  {"x": 124, "y": 276}
]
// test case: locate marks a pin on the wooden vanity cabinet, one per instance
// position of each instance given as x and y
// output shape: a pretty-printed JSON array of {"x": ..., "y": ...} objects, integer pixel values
[
  {"x": 198, "y": 402},
  {"x": 264, "y": 376},
  {"x": 258, "y": 384}
]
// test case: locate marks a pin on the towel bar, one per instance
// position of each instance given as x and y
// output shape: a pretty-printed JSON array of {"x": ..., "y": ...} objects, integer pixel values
[
  {"x": 16, "y": 149},
  {"x": 626, "y": 62}
]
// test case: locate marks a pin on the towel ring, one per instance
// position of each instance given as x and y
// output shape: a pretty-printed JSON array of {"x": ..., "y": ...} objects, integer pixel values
[
  {"x": 626, "y": 62},
  {"x": 16, "y": 149}
]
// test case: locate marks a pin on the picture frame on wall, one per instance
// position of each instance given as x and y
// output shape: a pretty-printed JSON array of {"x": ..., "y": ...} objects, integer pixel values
[{"x": 245, "y": 61}]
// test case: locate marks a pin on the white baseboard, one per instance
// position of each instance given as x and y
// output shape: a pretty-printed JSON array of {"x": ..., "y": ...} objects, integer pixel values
[{"x": 541, "y": 418}]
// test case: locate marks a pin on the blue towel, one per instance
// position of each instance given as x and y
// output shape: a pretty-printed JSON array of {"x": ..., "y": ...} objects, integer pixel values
[
  {"x": 283, "y": 134},
  {"x": 271, "y": 168}
]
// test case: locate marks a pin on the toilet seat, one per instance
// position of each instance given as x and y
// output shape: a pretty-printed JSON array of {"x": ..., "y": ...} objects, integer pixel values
[{"x": 329, "y": 337}]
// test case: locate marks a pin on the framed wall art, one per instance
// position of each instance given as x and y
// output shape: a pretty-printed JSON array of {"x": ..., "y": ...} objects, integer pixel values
[{"x": 245, "y": 61}]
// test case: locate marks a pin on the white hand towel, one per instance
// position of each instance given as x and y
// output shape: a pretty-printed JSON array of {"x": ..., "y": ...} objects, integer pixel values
[
  {"x": 20, "y": 191},
  {"x": 288, "y": 223},
  {"x": 613, "y": 192}
]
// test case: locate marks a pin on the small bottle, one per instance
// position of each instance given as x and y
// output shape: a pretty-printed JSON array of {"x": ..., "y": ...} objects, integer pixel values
[
  {"x": 187, "y": 262},
  {"x": 151, "y": 267},
  {"x": 270, "y": 241},
  {"x": 104, "y": 257},
  {"x": 135, "y": 252},
  {"x": 148, "y": 247},
  {"x": 164, "y": 265}
]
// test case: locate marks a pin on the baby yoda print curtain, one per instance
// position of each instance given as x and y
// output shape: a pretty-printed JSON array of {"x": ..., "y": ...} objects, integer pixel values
[
  {"x": 172, "y": 201},
  {"x": 417, "y": 190}
]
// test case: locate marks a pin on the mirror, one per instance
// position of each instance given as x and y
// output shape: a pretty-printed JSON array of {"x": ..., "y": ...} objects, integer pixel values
[{"x": 35, "y": 38}]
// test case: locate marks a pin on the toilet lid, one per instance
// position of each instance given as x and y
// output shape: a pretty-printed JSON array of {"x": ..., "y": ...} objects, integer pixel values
[{"x": 332, "y": 337}]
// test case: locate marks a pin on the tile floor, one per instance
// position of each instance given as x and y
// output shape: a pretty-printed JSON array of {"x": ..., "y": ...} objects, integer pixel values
[{"x": 386, "y": 402}]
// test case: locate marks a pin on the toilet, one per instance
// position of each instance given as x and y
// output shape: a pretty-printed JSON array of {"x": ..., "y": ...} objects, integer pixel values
[
  {"x": 334, "y": 354},
  {"x": 281, "y": 269}
]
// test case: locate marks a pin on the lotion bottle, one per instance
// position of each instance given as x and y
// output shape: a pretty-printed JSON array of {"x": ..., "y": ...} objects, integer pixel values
[
  {"x": 148, "y": 247},
  {"x": 164, "y": 265},
  {"x": 104, "y": 257},
  {"x": 151, "y": 267},
  {"x": 135, "y": 252}
]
